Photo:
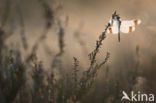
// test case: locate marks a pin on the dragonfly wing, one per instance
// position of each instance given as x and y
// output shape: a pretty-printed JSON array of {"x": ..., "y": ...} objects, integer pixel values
[
  {"x": 127, "y": 29},
  {"x": 113, "y": 30},
  {"x": 131, "y": 22}
]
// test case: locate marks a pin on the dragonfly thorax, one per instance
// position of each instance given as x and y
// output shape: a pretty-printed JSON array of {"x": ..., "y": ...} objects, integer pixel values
[{"x": 116, "y": 22}]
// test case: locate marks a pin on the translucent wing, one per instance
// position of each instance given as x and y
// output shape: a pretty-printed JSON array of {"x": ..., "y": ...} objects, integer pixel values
[
  {"x": 131, "y": 22},
  {"x": 113, "y": 30},
  {"x": 129, "y": 25},
  {"x": 127, "y": 29}
]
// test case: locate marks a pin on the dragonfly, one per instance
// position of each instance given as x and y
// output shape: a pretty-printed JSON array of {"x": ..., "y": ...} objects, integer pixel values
[{"x": 125, "y": 26}]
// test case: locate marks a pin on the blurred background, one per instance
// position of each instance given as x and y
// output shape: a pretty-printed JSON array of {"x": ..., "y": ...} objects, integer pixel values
[{"x": 39, "y": 38}]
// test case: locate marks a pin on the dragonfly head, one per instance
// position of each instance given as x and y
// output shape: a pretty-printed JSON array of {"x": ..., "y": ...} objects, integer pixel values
[{"x": 115, "y": 16}]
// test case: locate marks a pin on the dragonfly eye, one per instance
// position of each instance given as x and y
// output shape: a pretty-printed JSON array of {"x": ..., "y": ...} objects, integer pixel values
[{"x": 118, "y": 17}]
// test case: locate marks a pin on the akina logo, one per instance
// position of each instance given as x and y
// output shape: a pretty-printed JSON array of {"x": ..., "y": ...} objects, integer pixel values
[{"x": 138, "y": 97}]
